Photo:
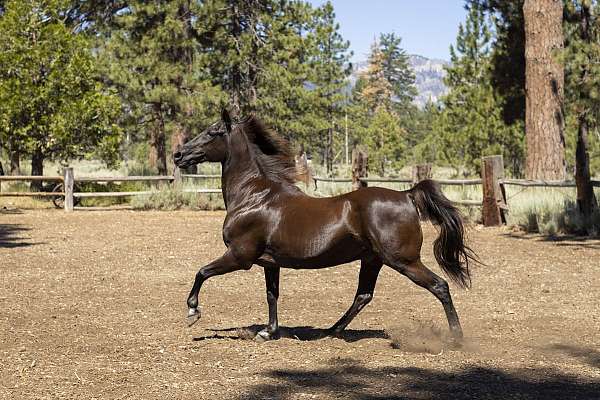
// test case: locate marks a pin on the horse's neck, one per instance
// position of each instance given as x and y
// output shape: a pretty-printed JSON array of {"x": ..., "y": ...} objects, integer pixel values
[{"x": 239, "y": 170}]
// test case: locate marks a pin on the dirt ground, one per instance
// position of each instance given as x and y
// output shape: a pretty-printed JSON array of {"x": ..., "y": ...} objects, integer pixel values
[{"x": 92, "y": 306}]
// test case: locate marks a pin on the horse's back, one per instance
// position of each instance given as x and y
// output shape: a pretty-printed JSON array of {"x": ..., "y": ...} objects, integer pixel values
[{"x": 331, "y": 230}]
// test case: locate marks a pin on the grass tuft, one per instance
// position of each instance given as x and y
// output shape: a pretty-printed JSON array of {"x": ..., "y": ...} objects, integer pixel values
[{"x": 551, "y": 212}]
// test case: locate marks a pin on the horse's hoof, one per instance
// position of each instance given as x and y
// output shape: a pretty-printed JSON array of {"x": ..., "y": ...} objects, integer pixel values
[
  {"x": 193, "y": 316},
  {"x": 456, "y": 342},
  {"x": 265, "y": 336}
]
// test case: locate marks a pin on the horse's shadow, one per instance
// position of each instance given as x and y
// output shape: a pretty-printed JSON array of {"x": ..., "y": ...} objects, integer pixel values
[{"x": 302, "y": 333}]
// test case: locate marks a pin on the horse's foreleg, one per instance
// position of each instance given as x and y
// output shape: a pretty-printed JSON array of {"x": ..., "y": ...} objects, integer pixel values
[
  {"x": 222, "y": 265},
  {"x": 369, "y": 270},
  {"x": 422, "y": 276},
  {"x": 272, "y": 282}
]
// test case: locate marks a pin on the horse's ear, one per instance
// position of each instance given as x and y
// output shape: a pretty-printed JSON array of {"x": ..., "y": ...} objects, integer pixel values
[{"x": 226, "y": 119}]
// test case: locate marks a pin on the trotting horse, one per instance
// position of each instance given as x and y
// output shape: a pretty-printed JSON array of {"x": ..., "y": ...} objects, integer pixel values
[{"x": 272, "y": 223}]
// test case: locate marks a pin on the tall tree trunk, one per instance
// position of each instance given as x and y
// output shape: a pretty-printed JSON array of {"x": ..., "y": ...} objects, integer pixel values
[
  {"x": 15, "y": 161},
  {"x": 180, "y": 137},
  {"x": 158, "y": 156},
  {"x": 544, "y": 86},
  {"x": 37, "y": 168},
  {"x": 586, "y": 200}
]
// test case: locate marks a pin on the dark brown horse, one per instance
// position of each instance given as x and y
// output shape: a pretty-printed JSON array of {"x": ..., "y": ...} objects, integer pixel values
[{"x": 273, "y": 224}]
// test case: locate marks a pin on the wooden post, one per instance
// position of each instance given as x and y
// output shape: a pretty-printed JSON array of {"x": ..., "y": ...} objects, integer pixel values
[
  {"x": 303, "y": 173},
  {"x": 177, "y": 179},
  {"x": 68, "y": 184},
  {"x": 494, "y": 203},
  {"x": 421, "y": 172},
  {"x": 360, "y": 163}
]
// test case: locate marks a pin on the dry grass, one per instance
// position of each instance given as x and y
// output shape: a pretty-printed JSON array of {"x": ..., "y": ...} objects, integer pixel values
[{"x": 550, "y": 211}]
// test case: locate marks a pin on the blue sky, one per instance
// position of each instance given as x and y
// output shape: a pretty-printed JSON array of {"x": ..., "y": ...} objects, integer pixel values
[{"x": 427, "y": 27}]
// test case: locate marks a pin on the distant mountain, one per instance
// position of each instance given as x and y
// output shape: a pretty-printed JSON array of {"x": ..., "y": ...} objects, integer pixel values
[{"x": 429, "y": 77}]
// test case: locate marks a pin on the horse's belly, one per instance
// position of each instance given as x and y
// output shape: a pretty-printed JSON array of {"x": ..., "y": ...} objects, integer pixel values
[{"x": 317, "y": 253}]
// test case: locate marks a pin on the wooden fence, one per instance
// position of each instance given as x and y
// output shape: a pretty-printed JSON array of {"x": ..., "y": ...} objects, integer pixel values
[
  {"x": 68, "y": 180},
  {"x": 494, "y": 204}
]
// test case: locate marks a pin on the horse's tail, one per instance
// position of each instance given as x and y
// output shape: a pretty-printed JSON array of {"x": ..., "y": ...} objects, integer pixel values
[{"x": 449, "y": 248}]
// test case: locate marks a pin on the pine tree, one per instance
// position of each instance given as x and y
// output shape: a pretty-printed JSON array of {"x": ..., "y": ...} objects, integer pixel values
[
  {"x": 544, "y": 76},
  {"x": 236, "y": 36},
  {"x": 377, "y": 90},
  {"x": 283, "y": 60},
  {"x": 418, "y": 125},
  {"x": 582, "y": 60},
  {"x": 376, "y": 123},
  {"x": 330, "y": 67},
  {"x": 51, "y": 102},
  {"x": 285, "y": 100},
  {"x": 470, "y": 123},
  {"x": 397, "y": 70},
  {"x": 152, "y": 60},
  {"x": 507, "y": 70}
]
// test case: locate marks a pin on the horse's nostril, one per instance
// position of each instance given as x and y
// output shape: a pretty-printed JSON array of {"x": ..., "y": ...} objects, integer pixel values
[{"x": 177, "y": 156}]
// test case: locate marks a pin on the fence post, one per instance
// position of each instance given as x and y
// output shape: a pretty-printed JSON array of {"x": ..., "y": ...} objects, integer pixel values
[
  {"x": 421, "y": 172},
  {"x": 68, "y": 184},
  {"x": 177, "y": 179},
  {"x": 303, "y": 173},
  {"x": 492, "y": 171},
  {"x": 360, "y": 162}
]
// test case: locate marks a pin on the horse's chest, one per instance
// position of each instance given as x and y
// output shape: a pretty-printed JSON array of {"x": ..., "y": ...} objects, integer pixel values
[
  {"x": 236, "y": 226},
  {"x": 228, "y": 231}
]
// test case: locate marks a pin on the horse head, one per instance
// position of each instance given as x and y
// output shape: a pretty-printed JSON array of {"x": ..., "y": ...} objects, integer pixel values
[{"x": 210, "y": 145}]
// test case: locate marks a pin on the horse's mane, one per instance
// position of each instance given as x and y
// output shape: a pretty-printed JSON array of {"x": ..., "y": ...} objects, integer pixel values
[{"x": 272, "y": 152}]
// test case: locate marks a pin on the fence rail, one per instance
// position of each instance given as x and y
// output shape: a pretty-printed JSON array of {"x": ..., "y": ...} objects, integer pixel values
[
  {"x": 154, "y": 178},
  {"x": 493, "y": 184},
  {"x": 201, "y": 176},
  {"x": 449, "y": 182},
  {"x": 31, "y": 194},
  {"x": 136, "y": 193},
  {"x": 540, "y": 183},
  {"x": 26, "y": 178},
  {"x": 68, "y": 181}
]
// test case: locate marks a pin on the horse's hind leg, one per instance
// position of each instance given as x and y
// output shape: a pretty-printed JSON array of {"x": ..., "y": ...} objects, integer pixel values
[
  {"x": 422, "y": 276},
  {"x": 272, "y": 282},
  {"x": 369, "y": 270}
]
